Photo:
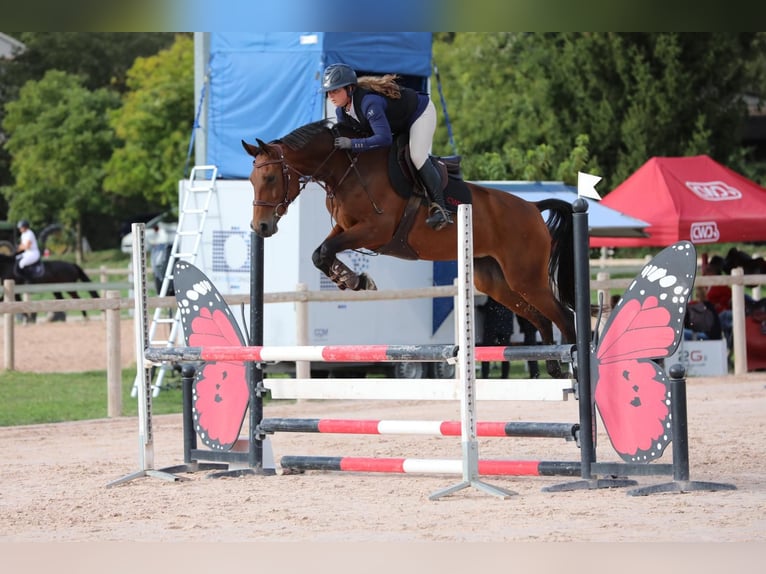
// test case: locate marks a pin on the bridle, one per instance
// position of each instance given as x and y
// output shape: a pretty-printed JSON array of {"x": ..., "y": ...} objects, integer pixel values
[{"x": 280, "y": 207}]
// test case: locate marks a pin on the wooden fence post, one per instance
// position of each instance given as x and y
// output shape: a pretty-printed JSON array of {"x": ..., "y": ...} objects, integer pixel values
[
  {"x": 113, "y": 358},
  {"x": 8, "y": 296},
  {"x": 302, "y": 368},
  {"x": 739, "y": 337}
]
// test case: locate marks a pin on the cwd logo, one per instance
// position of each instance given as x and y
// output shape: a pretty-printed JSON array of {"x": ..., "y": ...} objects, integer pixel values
[
  {"x": 714, "y": 190},
  {"x": 704, "y": 232}
]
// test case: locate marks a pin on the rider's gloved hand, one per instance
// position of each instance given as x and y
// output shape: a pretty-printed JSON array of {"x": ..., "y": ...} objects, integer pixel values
[{"x": 343, "y": 143}]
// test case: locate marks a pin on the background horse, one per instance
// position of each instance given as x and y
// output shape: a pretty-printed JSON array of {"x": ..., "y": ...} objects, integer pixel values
[
  {"x": 54, "y": 272},
  {"x": 519, "y": 260},
  {"x": 750, "y": 265}
]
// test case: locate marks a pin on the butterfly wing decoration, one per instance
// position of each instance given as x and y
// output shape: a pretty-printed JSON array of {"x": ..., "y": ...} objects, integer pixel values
[
  {"x": 632, "y": 393},
  {"x": 220, "y": 394}
]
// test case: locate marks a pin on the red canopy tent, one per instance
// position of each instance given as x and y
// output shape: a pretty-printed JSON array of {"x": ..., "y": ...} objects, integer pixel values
[{"x": 692, "y": 198}]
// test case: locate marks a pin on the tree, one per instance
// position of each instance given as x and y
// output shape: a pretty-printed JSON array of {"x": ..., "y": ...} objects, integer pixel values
[
  {"x": 154, "y": 126},
  {"x": 59, "y": 139},
  {"x": 100, "y": 59},
  {"x": 540, "y": 105}
]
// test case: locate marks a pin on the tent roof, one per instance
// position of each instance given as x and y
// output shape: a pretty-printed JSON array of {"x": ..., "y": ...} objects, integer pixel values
[
  {"x": 689, "y": 198},
  {"x": 264, "y": 85},
  {"x": 602, "y": 221}
]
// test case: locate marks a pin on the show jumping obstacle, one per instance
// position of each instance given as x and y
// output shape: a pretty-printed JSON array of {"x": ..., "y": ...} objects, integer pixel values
[
  {"x": 470, "y": 465},
  {"x": 431, "y": 428}
]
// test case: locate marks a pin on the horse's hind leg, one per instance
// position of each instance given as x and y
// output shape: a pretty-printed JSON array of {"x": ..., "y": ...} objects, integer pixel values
[
  {"x": 58, "y": 316},
  {"x": 489, "y": 279}
]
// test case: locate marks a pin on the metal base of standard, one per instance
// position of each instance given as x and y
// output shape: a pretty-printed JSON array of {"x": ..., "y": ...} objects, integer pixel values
[{"x": 488, "y": 488}]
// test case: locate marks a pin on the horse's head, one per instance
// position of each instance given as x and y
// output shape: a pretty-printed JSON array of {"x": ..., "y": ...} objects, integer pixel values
[
  {"x": 274, "y": 186},
  {"x": 303, "y": 154}
]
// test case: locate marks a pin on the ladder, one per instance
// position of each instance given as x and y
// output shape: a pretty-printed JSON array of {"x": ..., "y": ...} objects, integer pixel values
[{"x": 195, "y": 205}]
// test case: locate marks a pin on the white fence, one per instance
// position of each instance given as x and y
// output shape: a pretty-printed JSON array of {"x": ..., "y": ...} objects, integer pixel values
[{"x": 113, "y": 305}]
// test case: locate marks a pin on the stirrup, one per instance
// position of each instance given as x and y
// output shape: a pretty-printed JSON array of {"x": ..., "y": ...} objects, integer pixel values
[{"x": 438, "y": 217}]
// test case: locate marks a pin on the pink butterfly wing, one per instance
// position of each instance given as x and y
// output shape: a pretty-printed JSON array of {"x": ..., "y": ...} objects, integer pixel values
[
  {"x": 631, "y": 390},
  {"x": 220, "y": 395}
]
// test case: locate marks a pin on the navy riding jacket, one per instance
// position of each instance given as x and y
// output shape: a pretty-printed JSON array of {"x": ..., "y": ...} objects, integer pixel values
[{"x": 383, "y": 116}]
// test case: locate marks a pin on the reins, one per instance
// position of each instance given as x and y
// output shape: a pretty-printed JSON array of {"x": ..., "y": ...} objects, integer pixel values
[{"x": 280, "y": 207}]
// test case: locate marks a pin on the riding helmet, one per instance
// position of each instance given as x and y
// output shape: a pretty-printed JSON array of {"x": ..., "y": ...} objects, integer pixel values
[
  {"x": 22, "y": 223},
  {"x": 336, "y": 76}
]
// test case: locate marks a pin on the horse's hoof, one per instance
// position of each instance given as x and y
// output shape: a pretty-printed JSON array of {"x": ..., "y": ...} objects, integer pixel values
[{"x": 366, "y": 283}]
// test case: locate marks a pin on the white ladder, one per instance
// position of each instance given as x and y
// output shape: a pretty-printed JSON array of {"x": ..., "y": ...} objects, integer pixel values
[{"x": 191, "y": 223}]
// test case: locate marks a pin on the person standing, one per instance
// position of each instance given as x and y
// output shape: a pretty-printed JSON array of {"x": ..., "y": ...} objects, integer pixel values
[
  {"x": 383, "y": 107},
  {"x": 28, "y": 252},
  {"x": 530, "y": 338},
  {"x": 498, "y": 328}
]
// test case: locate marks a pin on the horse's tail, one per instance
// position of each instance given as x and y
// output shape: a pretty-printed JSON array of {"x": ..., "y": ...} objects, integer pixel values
[
  {"x": 561, "y": 264},
  {"x": 82, "y": 276}
]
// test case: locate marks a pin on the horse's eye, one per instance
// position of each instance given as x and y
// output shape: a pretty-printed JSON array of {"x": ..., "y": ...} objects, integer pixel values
[{"x": 271, "y": 178}]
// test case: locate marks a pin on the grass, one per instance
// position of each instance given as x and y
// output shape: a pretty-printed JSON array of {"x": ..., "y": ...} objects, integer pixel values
[
  {"x": 32, "y": 398},
  {"x": 108, "y": 257}
]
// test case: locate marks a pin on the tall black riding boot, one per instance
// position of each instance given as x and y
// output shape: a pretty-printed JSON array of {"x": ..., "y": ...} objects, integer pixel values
[{"x": 438, "y": 215}]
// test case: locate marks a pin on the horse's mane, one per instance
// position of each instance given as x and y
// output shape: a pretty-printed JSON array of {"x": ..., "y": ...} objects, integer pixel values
[{"x": 304, "y": 135}]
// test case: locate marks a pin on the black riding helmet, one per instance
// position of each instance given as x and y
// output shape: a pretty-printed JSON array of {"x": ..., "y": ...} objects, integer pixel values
[
  {"x": 22, "y": 223},
  {"x": 337, "y": 76}
]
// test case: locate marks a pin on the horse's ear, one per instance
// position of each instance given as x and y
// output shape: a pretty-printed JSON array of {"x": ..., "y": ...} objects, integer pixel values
[
  {"x": 265, "y": 148},
  {"x": 250, "y": 148}
]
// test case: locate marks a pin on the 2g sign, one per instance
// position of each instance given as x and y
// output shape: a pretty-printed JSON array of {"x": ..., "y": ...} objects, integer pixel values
[{"x": 692, "y": 357}]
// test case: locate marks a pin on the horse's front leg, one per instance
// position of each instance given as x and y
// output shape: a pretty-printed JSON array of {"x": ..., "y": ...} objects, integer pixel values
[{"x": 325, "y": 259}]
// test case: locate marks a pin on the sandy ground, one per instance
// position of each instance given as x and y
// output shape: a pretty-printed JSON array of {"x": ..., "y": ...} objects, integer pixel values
[{"x": 53, "y": 479}]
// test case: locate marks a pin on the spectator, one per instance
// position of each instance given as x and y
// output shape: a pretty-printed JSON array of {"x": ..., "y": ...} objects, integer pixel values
[
  {"x": 530, "y": 338},
  {"x": 719, "y": 296},
  {"x": 498, "y": 328}
]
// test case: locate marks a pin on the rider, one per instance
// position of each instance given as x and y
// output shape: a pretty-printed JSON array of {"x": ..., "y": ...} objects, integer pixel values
[
  {"x": 28, "y": 252},
  {"x": 380, "y": 105}
]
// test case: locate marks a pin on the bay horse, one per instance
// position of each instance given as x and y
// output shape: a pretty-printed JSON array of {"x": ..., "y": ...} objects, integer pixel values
[
  {"x": 520, "y": 259},
  {"x": 53, "y": 272}
]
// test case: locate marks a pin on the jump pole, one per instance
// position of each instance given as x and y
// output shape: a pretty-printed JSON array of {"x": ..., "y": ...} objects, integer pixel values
[
  {"x": 298, "y": 464},
  {"x": 466, "y": 365},
  {"x": 567, "y": 431}
]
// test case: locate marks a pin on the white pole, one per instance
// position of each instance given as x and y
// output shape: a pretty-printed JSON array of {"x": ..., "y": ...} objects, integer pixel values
[
  {"x": 467, "y": 363},
  {"x": 143, "y": 375}
]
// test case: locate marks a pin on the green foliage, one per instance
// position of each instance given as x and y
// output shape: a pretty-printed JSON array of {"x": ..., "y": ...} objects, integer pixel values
[
  {"x": 153, "y": 126},
  {"x": 100, "y": 59},
  {"x": 59, "y": 139},
  {"x": 30, "y": 398},
  {"x": 519, "y": 102}
]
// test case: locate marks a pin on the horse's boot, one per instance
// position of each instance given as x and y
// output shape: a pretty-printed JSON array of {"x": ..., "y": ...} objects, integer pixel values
[{"x": 438, "y": 216}]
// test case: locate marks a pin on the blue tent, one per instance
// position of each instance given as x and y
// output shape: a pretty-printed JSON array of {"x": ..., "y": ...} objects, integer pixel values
[{"x": 265, "y": 85}]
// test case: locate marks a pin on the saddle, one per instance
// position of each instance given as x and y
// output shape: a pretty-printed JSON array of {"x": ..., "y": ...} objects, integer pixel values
[
  {"x": 405, "y": 181},
  {"x": 30, "y": 272}
]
